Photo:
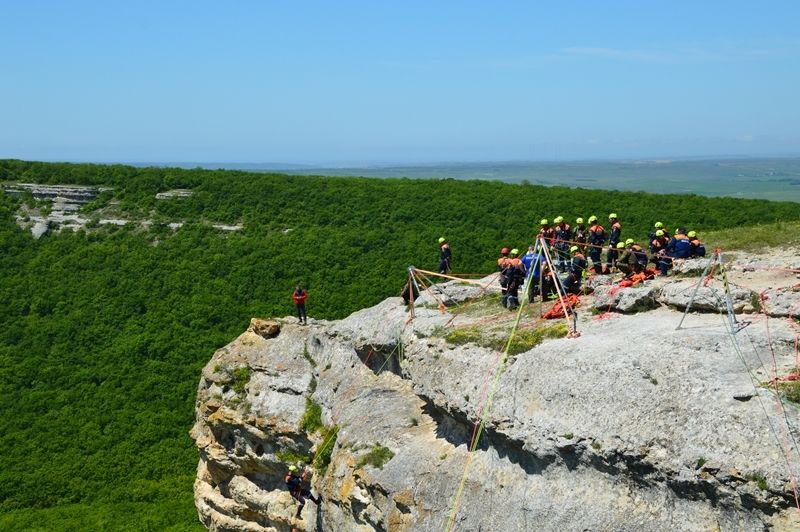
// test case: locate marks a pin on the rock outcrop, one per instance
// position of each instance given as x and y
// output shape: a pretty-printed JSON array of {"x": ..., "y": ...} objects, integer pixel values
[{"x": 634, "y": 425}]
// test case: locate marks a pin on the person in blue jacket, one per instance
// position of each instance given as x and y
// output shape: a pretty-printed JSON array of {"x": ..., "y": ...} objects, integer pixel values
[
  {"x": 533, "y": 265},
  {"x": 679, "y": 247}
]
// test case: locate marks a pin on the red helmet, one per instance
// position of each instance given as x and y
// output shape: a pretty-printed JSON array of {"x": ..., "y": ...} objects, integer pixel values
[{"x": 504, "y": 251}]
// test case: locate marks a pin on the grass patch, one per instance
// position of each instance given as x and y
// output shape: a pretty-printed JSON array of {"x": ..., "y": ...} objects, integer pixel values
[
  {"x": 463, "y": 336},
  {"x": 596, "y": 445},
  {"x": 241, "y": 376},
  {"x": 759, "y": 479},
  {"x": 524, "y": 339},
  {"x": 700, "y": 463},
  {"x": 323, "y": 457},
  {"x": 791, "y": 390},
  {"x": 307, "y": 356},
  {"x": 376, "y": 457},
  {"x": 569, "y": 436},
  {"x": 755, "y": 238},
  {"x": 311, "y": 421}
]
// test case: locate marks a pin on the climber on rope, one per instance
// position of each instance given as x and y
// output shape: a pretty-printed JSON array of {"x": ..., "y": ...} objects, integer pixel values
[
  {"x": 294, "y": 482},
  {"x": 445, "y": 256}
]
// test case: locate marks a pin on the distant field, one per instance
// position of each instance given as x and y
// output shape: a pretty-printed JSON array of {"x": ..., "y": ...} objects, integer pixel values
[{"x": 773, "y": 179}]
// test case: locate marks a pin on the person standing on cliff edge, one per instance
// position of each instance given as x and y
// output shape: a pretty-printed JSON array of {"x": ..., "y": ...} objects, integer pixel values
[
  {"x": 445, "y": 255},
  {"x": 299, "y": 296}
]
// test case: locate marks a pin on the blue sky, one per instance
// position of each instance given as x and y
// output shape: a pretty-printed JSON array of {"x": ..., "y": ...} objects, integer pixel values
[{"x": 367, "y": 82}]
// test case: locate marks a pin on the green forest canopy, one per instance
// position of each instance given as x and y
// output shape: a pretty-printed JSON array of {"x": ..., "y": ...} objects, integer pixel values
[{"x": 104, "y": 331}]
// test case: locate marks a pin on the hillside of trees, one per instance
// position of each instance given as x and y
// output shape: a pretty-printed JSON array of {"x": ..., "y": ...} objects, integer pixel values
[{"x": 104, "y": 330}]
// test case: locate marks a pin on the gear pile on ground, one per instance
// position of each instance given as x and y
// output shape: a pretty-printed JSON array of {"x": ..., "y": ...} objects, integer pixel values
[{"x": 632, "y": 425}]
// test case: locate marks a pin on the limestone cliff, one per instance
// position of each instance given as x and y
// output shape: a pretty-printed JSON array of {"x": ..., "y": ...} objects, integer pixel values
[{"x": 634, "y": 425}]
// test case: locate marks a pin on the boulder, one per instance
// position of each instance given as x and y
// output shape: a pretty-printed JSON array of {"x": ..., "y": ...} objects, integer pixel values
[
  {"x": 595, "y": 281},
  {"x": 265, "y": 328},
  {"x": 690, "y": 266},
  {"x": 708, "y": 298},
  {"x": 455, "y": 292},
  {"x": 781, "y": 302},
  {"x": 625, "y": 299}
]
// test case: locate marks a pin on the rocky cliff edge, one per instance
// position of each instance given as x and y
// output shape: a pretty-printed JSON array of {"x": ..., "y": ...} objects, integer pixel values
[{"x": 634, "y": 425}]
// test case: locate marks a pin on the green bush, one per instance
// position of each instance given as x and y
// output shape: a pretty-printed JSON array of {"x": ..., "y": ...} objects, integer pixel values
[
  {"x": 376, "y": 457},
  {"x": 311, "y": 421},
  {"x": 241, "y": 376},
  {"x": 323, "y": 456}
]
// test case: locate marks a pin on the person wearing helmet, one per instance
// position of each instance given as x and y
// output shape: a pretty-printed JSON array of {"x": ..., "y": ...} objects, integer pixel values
[
  {"x": 698, "y": 249},
  {"x": 613, "y": 239},
  {"x": 294, "y": 482},
  {"x": 659, "y": 226},
  {"x": 580, "y": 235},
  {"x": 516, "y": 276},
  {"x": 504, "y": 267},
  {"x": 597, "y": 238},
  {"x": 563, "y": 239},
  {"x": 679, "y": 247},
  {"x": 627, "y": 261},
  {"x": 546, "y": 231},
  {"x": 577, "y": 265},
  {"x": 445, "y": 256},
  {"x": 657, "y": 245},
  {"x": 532, "y": 262}
]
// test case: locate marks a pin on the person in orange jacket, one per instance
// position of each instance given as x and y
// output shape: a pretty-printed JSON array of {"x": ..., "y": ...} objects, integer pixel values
[{"x": 299, "y": 296}]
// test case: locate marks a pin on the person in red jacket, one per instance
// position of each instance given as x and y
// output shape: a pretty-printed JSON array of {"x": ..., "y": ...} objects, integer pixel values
[{"x": 300, "y": 297}]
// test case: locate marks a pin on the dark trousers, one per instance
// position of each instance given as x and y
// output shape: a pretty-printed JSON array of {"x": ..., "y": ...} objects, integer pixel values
[
  {"x": 611, "y": 258},
  {"x": 301, "y": 496},
  {"x": 301, "y": 312},
  {"x": 664, "y": 264},
  {"x": 594, "y": 254},
  {"x": 444, "y": 266},
  {"x": 572, "y": 283}
]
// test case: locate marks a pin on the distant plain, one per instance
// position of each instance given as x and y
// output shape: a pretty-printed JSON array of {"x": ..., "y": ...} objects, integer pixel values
[{"x": 764, "y": 178}]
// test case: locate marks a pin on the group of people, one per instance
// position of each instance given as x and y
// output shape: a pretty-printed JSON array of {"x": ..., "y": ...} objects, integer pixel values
[{"x": 571, "y": 245}]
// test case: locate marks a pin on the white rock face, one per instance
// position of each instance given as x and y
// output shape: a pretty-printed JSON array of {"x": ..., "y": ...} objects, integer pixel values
[{"x": 631, "y": 426}]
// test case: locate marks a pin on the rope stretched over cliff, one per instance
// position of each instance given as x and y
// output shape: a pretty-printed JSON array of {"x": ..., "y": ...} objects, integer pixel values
[{"x": 484, "y": 413}]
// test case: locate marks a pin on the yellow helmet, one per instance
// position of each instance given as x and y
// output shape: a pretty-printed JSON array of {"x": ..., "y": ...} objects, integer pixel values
[
  {"x": 558, "y": 219},
  {"x": 659, "y": 233},
  {"x": 629, "y": 242},
  {"x": 543, "y": 221},
  {"x": 691, "y": 234},
  {"x": 612, "y": 216},
  {"x": 620, "y": 245},
  {"x": 659, "y": 225},
  {"x": 579, "y": 221},
  {"x": 515, "y": 252},
  {"x": 442, "y": 240},
  {"x": 592, "y": 219},
  {"x": 574, "y": 249}
]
